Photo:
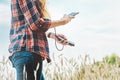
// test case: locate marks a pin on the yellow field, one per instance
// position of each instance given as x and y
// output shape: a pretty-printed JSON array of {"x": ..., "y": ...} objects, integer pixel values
[{"x": 80, "y": 68}]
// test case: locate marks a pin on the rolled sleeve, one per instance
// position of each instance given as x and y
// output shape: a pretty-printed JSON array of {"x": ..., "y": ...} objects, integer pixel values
[{"x": 33, "y": 17}]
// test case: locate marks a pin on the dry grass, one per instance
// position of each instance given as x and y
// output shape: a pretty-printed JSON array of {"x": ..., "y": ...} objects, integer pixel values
[
  {"x": 79, "y": 68},
  {"x": 6, "y": 70}
]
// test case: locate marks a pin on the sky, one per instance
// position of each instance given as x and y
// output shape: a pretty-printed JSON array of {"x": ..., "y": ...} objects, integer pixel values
[{"x": 95, "y": 30}]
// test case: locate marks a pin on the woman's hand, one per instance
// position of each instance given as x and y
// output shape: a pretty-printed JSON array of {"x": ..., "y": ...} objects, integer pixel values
[
  {"x": 60, "y": 38},
  {"x": 64, "y": 20},
  {"x": 67, "y": 19}
]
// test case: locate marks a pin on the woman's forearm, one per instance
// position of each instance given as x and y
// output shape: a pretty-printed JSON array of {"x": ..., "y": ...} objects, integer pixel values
[
  {"x": 65, "y": 19},
  {"x": 57, "y": 23}
]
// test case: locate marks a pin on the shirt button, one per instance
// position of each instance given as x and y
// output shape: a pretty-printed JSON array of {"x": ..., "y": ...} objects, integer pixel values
[{"x": 40, "y": 25}]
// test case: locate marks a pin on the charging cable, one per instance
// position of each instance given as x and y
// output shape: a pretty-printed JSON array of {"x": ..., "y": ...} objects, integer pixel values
[{"x": 56, "y": 42}]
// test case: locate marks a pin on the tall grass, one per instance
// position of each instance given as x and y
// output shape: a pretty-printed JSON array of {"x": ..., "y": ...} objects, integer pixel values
[
  {"x": 79, "y": 68},
  {"x": 6, "y": 70}
]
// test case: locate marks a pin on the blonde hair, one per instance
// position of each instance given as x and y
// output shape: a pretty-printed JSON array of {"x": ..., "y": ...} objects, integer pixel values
[{"x": 44, "y": 10}]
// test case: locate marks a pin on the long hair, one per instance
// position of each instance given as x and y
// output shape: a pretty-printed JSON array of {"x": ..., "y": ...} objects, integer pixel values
[{"x": 44, "y": 10}]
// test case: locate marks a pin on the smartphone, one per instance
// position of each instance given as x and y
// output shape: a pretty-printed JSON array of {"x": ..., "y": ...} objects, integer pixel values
[{"x": 73, "y": 13}]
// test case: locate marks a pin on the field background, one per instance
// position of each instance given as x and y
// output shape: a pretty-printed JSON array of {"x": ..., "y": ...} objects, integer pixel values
[{"x": 79, "y": 68}]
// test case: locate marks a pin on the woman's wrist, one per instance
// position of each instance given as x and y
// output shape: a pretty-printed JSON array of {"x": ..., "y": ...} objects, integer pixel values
[
  {"x": 51, "y": 35},
  {"x": 57, "y": 23}
]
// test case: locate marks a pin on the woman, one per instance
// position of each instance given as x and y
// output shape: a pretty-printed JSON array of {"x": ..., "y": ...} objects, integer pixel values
[{"x": 28, "y": 43}]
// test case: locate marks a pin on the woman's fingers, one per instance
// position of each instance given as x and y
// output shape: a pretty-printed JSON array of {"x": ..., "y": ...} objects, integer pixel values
[
  {"x": 62, "y": 36},
  {"x": 61, "y": 39},
  {"x": 63, "y": 42},
  {"x": 67, "y": 18}
]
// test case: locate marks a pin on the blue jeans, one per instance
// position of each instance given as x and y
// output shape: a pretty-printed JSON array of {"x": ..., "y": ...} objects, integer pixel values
[{"x": 25, "y": 64}]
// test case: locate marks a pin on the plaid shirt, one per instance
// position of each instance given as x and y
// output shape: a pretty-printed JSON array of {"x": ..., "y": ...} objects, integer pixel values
[{"x": 28, "y": 29}]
